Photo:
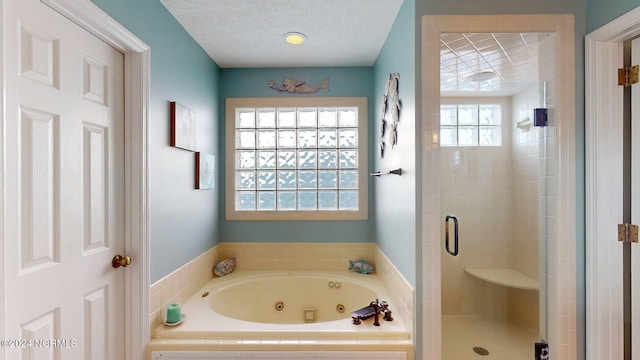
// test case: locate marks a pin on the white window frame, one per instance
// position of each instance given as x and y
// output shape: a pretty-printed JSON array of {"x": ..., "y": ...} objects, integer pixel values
[
  {"x": 505, "y": 110},
  {"x": 361, "y": 213}
]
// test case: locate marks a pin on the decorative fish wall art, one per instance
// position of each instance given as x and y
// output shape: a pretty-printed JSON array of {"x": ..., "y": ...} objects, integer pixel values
[
  {"x": 295, "y": 86},
  {"x": 390, "y": 112}
]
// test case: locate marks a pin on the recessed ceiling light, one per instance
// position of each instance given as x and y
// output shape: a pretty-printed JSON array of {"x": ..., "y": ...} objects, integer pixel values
[
  {"x": 294, "y": 38},
  {"x": 481, "y": 76}
]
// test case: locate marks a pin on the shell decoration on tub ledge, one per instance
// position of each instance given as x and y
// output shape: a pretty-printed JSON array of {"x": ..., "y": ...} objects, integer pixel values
[
  {"x": 225, "y": 267},
  {"x": 361, "y": 266}
]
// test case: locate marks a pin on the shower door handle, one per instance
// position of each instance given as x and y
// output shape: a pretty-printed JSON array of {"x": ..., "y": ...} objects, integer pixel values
[{"x": 455, "y": 234}]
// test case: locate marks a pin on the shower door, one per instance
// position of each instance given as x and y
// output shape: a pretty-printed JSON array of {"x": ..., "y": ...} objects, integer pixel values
[{"x": 493, "y": 196}]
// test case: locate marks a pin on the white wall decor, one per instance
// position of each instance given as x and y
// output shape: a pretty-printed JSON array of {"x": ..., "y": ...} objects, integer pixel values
[{"x": 390, "y": 113}]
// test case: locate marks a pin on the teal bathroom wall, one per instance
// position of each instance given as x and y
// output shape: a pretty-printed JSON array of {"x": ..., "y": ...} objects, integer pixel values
[
  {"x": 600, "y": 12},
  {"x": 579, "y": 9},
  {"x": 184, "y": 221},
  {"x": 395, "y": 196},
  {"x": 343, "y": 81}
]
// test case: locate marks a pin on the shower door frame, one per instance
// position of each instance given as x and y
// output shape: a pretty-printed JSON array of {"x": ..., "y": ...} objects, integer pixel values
[{"x": 561, "y": 279}]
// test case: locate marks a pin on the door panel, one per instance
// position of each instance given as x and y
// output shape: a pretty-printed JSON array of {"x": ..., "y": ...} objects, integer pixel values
[
  {"x": 635, "y": 205},
  {"x": 64, "y": 163}
]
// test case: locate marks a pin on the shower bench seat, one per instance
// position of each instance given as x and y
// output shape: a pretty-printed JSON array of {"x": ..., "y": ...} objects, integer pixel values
[{"x": 505, "y": 277}]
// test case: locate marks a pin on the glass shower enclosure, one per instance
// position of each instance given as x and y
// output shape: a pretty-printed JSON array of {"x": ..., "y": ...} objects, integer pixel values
[{"x": 494, "y": 167}]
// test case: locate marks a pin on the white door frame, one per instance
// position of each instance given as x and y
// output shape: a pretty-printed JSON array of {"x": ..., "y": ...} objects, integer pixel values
[
  {"x": 604, "y": 127},
  {"x": 136, "y": 95},
  {"x": 561, "y": 278}
]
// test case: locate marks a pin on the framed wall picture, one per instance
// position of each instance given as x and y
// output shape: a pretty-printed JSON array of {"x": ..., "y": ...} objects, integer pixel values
[
  {"x": 205, "y": 171},
  {"x": 183, "y": 127}
]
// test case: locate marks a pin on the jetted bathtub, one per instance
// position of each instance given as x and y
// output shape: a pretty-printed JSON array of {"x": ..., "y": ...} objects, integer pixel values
[{"x": 285, "y": 305}]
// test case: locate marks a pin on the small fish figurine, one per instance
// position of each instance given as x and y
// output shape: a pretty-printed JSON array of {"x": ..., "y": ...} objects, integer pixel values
[
  {"x": 225, "y": 267},
  {"x": 361, "y": 266}
]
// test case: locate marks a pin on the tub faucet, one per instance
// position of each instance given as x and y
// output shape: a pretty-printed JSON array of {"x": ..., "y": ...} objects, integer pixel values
[
  {"x": 377, "y": 308},
  {"x": 374, "y": 309},
  {"x": 375, "y": 305},
  {"x": 380, "y": 307}
]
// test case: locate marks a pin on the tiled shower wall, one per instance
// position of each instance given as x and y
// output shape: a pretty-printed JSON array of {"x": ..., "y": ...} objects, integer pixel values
[
  {"x": 524, "y": 244},
  {"x": 558, "y": 260},
  {"x": 476, "y": 188},
  {"x": 524, "y": 203},
  {"x": 494, "y": 193}
]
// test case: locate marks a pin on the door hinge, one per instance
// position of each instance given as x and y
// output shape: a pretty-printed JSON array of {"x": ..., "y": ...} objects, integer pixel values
[
  {"x": 628, "y": 76},
  {"x": 628, "y": 233}
]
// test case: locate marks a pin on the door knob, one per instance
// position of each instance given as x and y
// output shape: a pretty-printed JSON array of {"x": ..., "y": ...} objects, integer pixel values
[{"x": 120, "y": 260}]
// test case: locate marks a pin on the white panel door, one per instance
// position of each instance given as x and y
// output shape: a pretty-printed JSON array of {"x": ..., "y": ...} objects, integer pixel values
[
  {"x": 64, "y": 188},
  {"x": 635, "y": 205}
]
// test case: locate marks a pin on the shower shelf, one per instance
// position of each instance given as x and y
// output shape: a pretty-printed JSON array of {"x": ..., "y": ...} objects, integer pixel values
[{"x": 505, "y": 277}]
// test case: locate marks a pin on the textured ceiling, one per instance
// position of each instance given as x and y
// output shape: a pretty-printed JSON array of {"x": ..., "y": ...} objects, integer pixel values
[
  {"x": 248, "y": 33},
  {"x": 513, "y": 57}
]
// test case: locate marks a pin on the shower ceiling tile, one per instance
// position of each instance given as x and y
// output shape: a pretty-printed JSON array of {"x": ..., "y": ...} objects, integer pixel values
[{"x": 512, "y": 56}]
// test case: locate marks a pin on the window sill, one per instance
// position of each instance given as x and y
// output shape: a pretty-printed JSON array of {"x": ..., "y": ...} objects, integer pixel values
[{"x": 356, "y": 215}]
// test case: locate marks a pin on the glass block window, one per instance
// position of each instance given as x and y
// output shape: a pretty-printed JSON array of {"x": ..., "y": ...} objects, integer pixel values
[
  {"x": 471, "y": 125},
  {"x": 296, "y": 159}
]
